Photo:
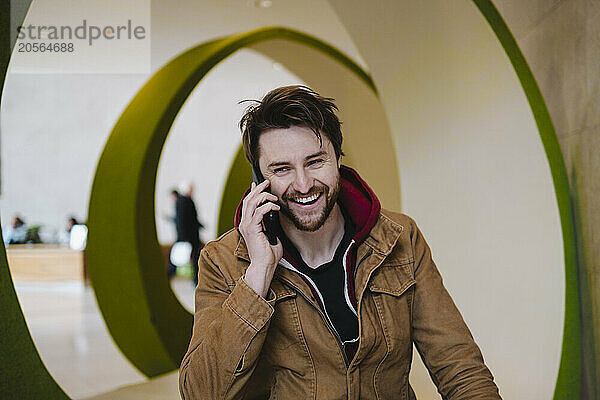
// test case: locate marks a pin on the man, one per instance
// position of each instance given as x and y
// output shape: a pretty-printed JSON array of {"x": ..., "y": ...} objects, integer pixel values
[
  {"x": 333, "y": 309},
  {"x": 187, "y": 224}
]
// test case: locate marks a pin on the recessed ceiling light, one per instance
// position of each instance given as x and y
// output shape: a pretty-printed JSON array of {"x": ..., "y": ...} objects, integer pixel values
[{"x": 263, "y": 3}]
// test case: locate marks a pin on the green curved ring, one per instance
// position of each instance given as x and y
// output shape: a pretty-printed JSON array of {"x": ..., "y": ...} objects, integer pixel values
[
  {"x": 240, "y": 173},
  {"x": 145, "y": 319},
  {"x": 23, "y": 374},
  {"x": 568, "y": 382}
]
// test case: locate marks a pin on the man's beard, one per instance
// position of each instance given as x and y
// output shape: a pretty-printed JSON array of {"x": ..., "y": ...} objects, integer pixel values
[{"x": 311, "y": 226}]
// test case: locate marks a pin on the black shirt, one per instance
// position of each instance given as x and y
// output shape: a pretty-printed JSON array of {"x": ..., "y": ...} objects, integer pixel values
[{"x": 329, "y": 282}]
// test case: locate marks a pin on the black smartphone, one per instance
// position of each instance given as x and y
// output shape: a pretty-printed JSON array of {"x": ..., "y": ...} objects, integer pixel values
[{"x": 271, "y": 219}]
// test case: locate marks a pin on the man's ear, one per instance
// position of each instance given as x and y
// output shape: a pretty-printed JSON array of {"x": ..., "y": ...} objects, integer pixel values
[{"x": 339, "y": 162}]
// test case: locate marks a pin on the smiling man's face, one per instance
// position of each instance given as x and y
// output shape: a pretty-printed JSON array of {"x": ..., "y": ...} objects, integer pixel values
[{"x": 304, "y": 174}]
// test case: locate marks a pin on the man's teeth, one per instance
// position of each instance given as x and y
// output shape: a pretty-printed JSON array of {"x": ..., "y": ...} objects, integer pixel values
[{"x": 305, "y": 200}]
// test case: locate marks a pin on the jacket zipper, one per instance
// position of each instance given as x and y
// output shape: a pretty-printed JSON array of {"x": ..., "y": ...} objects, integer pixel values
[
  {"x": 324, "y": 316},
  {"x": 331, "y": 328},
  {"x": 345, "y": 267}
]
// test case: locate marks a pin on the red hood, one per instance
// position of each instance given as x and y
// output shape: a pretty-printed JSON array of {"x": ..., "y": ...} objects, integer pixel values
[{"x": 358, "y": 200}]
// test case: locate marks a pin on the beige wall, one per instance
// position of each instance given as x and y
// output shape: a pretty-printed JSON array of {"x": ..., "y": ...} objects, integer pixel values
[{"x": 560, "y": 40}]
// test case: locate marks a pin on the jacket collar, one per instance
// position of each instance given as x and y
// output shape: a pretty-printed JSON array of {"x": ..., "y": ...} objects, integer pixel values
[
  {"x": 384, "y": 235},
  {"x": 241, "y": 251},
  {"x": 374, "y": 252}
]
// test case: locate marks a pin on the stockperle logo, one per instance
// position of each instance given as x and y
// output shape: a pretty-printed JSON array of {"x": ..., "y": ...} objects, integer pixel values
[
  {"x": 82, "y": 36},
  {"x": 84, "y": 31}
]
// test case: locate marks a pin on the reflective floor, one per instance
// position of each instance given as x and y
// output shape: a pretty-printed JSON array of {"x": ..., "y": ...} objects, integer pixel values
[{"x": 72, "y": 339}]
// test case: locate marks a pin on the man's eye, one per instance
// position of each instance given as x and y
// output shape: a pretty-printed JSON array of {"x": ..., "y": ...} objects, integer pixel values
[
  {"x": 280, "y": 170},
  {"x": 315, "y": 162}
]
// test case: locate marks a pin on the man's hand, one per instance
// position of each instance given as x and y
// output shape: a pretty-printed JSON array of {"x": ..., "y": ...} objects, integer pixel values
[{"x": 263, "y": 256}]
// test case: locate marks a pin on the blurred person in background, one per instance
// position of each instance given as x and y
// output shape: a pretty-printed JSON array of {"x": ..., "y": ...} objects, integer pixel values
[
  {"x": 65, "y": 235},
  {"x": 74, "y": 235},
  {"x": 16, "y": 233},
  {"x": 187, "y": 224}
]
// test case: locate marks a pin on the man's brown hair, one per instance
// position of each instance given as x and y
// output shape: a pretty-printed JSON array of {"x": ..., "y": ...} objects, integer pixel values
[{"x": 288, "y": 106}]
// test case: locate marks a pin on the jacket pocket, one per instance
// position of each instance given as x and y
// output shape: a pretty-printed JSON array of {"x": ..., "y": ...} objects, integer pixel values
[
  {"x": 391, "y": 292},
  {"x": 392, "y": 279}
]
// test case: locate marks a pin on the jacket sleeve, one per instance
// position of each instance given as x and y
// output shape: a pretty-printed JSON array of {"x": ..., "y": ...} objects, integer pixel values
[
  {"x": 441, "y": 336},
  {"x": 230, "y": 324}
]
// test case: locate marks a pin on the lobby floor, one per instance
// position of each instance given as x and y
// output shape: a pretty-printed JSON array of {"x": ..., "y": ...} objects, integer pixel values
[{"x": 72, "y": 339}]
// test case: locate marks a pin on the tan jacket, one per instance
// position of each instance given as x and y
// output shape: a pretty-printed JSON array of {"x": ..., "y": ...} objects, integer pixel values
[{"x": 246, "y": 347}]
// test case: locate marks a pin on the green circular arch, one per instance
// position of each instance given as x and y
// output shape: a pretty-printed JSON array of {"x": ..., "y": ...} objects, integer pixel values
[
  {"x": 236, "y": 184},
  {"x": 143, "y": 315},
  {"x": 568, "y": 381}
]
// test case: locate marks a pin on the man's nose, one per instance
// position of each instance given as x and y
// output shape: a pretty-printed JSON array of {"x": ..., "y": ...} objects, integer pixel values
[{"x": 302, "y": 182}]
